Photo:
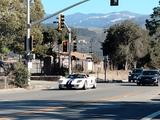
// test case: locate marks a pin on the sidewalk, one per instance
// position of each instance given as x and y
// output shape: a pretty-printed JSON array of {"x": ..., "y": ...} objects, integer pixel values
[
  {"x": 34, "y": 85},
  {"x": 40, "y": 84}
]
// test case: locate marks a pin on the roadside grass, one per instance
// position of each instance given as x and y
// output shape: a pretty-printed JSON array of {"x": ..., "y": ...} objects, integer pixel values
[{"x": 112, "y": 75}]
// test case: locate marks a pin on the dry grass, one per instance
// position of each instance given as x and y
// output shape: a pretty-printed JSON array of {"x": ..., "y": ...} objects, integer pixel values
[{"x": 114, "y": 75}]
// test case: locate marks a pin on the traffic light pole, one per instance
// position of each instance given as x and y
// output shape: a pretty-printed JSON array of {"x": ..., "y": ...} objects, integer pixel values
[
  {"x": 58, "y": 12},
  {"x": 29, "y": 25},
  {"x": 69, "y": 48},
  {"x": 105, "y": 67},
  {"x": 27, "y": 40},
  {"x": 69, "y": 56}
]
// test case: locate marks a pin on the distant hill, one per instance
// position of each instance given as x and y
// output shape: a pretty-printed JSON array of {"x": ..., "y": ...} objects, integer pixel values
[
  {"x": 90, "y": 27},
  {"x": 101, "y": 20}
]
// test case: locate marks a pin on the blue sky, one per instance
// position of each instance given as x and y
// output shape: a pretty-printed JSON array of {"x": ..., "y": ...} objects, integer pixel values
[{"x": 100, "y": 6}]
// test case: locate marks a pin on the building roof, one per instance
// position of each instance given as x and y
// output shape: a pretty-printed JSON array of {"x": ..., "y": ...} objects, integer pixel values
[{"x": 81, "y": 56}]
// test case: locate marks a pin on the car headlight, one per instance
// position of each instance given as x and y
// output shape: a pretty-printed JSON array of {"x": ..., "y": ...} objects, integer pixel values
[
  {"x": 135, "y": 76},
  {"x": 60, "y": 81},
  {"x": 78, "y": 81}
]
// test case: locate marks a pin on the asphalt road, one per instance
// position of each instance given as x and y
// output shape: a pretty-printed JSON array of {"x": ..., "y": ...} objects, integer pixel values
[{"x": 110, "y": 101}]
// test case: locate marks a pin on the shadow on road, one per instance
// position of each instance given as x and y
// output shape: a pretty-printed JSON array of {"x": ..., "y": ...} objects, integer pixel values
[
  {"x": 57, "y": 89},
  {"x": 108, "y": 81},
  {"x": 134, "y": 84},
  {"x": 156, "y": 99},
  {"x": 128, "y": 84},
  {"x": 71, "y": 110}
]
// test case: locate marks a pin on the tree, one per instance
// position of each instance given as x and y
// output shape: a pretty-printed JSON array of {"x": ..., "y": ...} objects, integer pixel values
[
  {"x": 153, "y": 25},
  {"x": 154, "y": 22},
  {"x": 11, "y": 23},
  {"x": 96, "y": 59},
  {"x": 155, "y": 56},
  {"x": 155, "y": 49},
  {"x": 49, "y": 36},
  {"x": 125, "y": 43},
  {"x": 37, "y": 13}
]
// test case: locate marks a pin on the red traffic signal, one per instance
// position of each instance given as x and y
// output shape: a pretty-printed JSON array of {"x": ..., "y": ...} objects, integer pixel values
[{"x": 65, "y": 45}]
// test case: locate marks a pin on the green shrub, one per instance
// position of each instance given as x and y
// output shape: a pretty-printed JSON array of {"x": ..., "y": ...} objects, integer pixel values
[
  {"x": 21, "y": 75},
  {"x": 64, "y": 71}
]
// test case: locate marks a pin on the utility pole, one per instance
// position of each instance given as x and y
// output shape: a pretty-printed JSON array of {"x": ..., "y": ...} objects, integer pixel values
[
  {"x": 28, "y": 40},
  {"x": 69, "y": 56},
  {"x": 69, "y": 48},
  {"x": 91, "y": 45},
  {"x": 105, "y": 67}
]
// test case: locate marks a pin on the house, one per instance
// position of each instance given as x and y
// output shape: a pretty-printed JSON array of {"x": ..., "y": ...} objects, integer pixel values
[{"x": 77, "y": 58}]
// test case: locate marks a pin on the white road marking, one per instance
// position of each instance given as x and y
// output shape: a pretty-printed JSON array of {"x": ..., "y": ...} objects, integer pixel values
[{"x": 151, "y": 116}]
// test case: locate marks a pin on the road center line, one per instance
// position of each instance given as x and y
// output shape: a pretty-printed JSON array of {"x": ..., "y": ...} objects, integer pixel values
[{"x": 151, "y": 116}]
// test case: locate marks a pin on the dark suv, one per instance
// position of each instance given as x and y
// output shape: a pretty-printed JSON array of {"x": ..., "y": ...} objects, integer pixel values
[
  {"x": 149, "y": 77},
  {"x": 133, "y": 76}
]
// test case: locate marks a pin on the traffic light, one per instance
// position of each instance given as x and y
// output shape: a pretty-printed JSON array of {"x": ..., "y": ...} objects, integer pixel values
[
  {"x": 28, "y": 44},
  {"x": 74, "y": 37},
  {"x": 25, "y": 43},
  {"x": 60, "y": 22},
  {"x": 34, "y": 44},
  {"x": 31, "y": 43},
  {"x": 65, "y": 44},
  {"x": 59, "y": 41},
  {"x": 74, "y": 46},
  {"x": 114, "y": 2}
]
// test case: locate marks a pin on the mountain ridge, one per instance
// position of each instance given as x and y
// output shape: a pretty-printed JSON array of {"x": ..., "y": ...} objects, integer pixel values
[{"x": 101, "y": 20}]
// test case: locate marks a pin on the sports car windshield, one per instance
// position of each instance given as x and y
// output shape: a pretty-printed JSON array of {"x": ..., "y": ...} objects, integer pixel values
[
  {"x": 137, "y": 71},
  {"x": 150, "y": 72},
  {"x": 73, "y": 76}
]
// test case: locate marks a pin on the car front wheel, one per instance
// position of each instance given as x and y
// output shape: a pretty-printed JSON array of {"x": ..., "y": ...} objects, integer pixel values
[
  {"x": 60, "y": 88},
  {"x": 156, "y": 84},
  {"x": 85, "y": 85},
  {"x": 94, "y": 86},
  {"x": 138, "y": 84}
]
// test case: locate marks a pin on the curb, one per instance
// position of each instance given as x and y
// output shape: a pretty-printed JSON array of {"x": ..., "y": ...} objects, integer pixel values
[{"x": 112, "y": 81}]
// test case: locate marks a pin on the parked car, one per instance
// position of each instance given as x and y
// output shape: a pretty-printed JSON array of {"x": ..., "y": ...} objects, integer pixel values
[
  {"x": 77, "y": 81},
  {"x": 149, "y": 77},
  {"x": 133, "y": 76}
]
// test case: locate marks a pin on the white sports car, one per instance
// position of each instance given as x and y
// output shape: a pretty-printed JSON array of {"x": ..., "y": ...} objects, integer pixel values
[{"x": 77, "y": 81}]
